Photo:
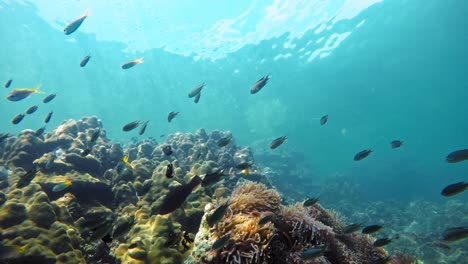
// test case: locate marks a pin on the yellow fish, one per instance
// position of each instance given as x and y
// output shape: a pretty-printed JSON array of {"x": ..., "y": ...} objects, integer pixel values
[
  {"x": 61, "y": 186},
  {"x": 246, "y": 172},
  {"x": 19, "y": 94},
  {"x": 125, "y": 160}
]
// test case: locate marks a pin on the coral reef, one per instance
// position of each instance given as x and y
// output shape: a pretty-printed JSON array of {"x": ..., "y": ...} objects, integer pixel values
[{"x": 293, "y": 230}]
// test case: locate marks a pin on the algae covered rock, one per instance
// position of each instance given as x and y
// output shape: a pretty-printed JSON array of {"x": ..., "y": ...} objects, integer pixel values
[{"x": 11, "y": 214}]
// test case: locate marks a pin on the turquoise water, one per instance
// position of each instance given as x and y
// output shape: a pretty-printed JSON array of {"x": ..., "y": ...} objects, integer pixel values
[{"x": 381, "y": 71}]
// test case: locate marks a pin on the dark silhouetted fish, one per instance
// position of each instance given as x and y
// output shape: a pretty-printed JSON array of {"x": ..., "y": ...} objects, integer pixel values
[
  {"x": 277, "y": 142},
  {"x": 84, "y": 61},
  {"x": 8, "y": 83},
  {"x": 211, "y": 178},
  {"x": 17, "y": 119},
  {"x": 48, "y": 117},
  {"x": 176, "y": 197},
  {"x": 95, "y": 136},
  {"x": 244, "y": 165},
  {"x": 195, "y": 91},
  {"x": 363, "y": 154},
  {"x": 197, "y": 98},
  {"x": 371, "y": 229},
  {"x": 130, "y": 126},
  {"x": 75, "y": 24},
  {"x": 167, "y": 150},
  {"x": 4, "y": 136},
  {"x": 26, "y": 179},
  {"x": 39, "y": 131},
  {"x": 221, "y": 242},
  {"x": 217, "y": 215},
  {"x": 143, "y": 128},
  {"x": 222, "y": 142},
  {"x": 311, "y": 201},
  {"x": 259, "y": 84},
  {"x": 170, "y": 171},
  {"x": 455, "y": 188},
  {"x": 351, "y": 228},
  {"x": 171, "y": 116},
  {"x": 32, "y": 109},
  {"x": 396, "y": 143},
  {"x": 49, "y": 98},
  {"x": 312, "y": 253},
  {"x": 122, "y": 226},
  {"x": 457, "y": 156},
  {"x": 382, "y": 242},
  {"x": 455, "y": 234},
  {"x": 132, "y": 63},
  {"x": 323, "y": 120},
  {"x": 85, "y": 152},
  {"x": 441, "y": 246},
  {"x": 266, "y": 217}
]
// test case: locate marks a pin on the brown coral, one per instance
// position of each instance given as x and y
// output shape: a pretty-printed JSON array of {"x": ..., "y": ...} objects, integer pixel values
[{"x": 254, "y": 196}]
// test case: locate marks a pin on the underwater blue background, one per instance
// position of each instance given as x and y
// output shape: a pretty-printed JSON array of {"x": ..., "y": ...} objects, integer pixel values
[{"x": 400, "y": 72}]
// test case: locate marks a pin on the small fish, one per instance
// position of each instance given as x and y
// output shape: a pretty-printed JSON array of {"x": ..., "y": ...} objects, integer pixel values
[
  {"x": 26, "y": 178},
  {"x": 176, "y": 197},
  {"x": 143, "y": 128},
  {"x": 457, "y": 156},
  {"x": 61, "y": 186},
  {"x": 195, "y": 91},
  {"x": 311, "y": 201},
  {"x": 122, "y": 226},
  {"x": 323, "y": 120},
  {"x": 245, "y": 171},
  {"x": 162, "y": 135},
  {"x": 244, "y": 165},
  {"x": 4, "y": 136},
  {"x": 221, "y": 242},
  {"x": 197, "y": 98},
  {"x": 39, "y": 131},
  {"x": 17, "y": 119},
  {"x": 95, "y": 136},
  {"x": 259, "y": 84},
  {"x": 222, "y": 142},
  {"x": 455, "y": 234},
  {"x": 211, "y": 178},
  {"x": 382, "y": 242},
  {"x": 19, "y": 94},
  {"x": 312, "y": 253},
  {"x": 266, "y": 217},
  {"x": 441, "y": 246},
  {"x": 107, "y": 238},
  {"x": 85, "y": 152},
  {"x": 217, "y": 215},
  {"x": 455, "y": 188},
  {"x": 125, "y": 161},
  {"x": 75, "y": 24},
  {"x": 167, "y": 150},
  {"x": 85, "y": 60},
  {"x": 371, "y": 229},
  {"x": 48, "y": 117},
  {"x": 361, "y": 155},
  {"x": 396, "y": 143},
  {"x": 131, "y": 126},
  {"x": 171, "y": 116},
  {"x": 351, "y": 228},
  {"x": 130, "y": 64},
  {"x": 49, "y": 98},
  {"x": 170, "y": 171},
  {"x": 277, "y": 142},
  {"x": 8, "y": 83},
  {"x": 32, "y": 109}
]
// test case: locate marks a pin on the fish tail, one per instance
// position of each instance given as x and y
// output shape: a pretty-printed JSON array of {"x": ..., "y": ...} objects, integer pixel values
[
  {"x": 139, "y": 60},
  {"x": 37, "y": 89},
  {"x": 68, "y": 183},
  {"x": 86, "y": 13}
]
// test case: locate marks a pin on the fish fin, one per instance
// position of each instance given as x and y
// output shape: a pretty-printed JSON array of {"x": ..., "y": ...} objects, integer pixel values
[
  {"x": 36, "y": 89},
  {"x": 138, "y": 61},
  {"x": 68, "y": 183}
]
